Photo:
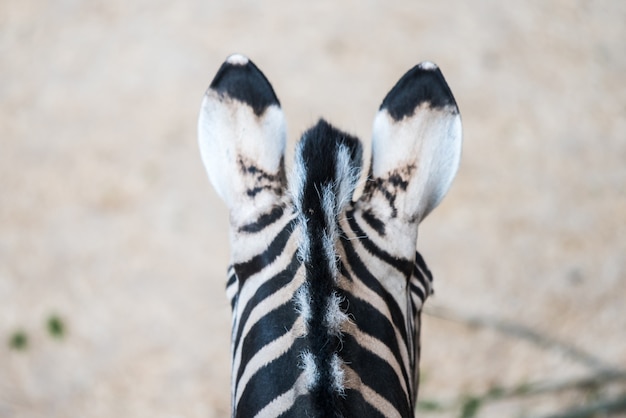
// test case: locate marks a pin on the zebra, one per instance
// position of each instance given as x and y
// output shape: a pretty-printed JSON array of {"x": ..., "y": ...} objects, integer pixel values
[{"x": 326, "y": 290}]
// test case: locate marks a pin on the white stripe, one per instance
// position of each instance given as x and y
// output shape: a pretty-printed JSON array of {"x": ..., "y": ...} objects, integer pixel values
[
  {"x": 364, "y": 293},
  {"x": 266, "y": 306},
  {"x": 370, "y": 396},
  {"x": 253, "y": 283},
  {"x": 379, "y": 348},
  {"x": 246, "y": 245},
  {"x": 266, "y": 354},
  {"x": 282, "y": 403}
]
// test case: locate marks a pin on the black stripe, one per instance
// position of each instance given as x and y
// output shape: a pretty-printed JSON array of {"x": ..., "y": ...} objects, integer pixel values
[
  {"x": 423, "y": 276},
  {"x": 417, "y": 354},
  {"x": 371, "y": 321},
  {"x": 363, "y": 274},
  {"x": 270, "y": 327},
  {"x": 374, "y": 223},
  {"x": 271, "y": 381},
  {"x": 419, "y": 261},
  {"x": 267, "y": 289},
  {"x": 403, "y": 265},
  {"x": 378, "y": 375},
  {"x": 361, "y": 271},
  {"x": 259, "y": 261},
  {"x": 418, "y": 291},
  {"x": 395, "y": 313},
  {"x": 355, "y": 405},
  {"x": 343, "y": 268},
  {"x": 303, "y": 406},
  {"x": 264, "y": 220},
  {"x": 232, "y": 278}
]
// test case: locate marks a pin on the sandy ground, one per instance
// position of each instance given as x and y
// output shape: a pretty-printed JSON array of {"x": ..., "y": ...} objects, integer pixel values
[{"x": 108, "y": 221}]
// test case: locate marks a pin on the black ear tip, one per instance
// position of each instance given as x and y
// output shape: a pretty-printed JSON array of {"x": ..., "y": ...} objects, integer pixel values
[
  {"x": 424, "y": 83},
  {"x": 240, "y": 79}
]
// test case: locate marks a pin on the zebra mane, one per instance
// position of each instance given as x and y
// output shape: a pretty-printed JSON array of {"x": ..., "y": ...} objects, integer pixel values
[{"x": 325, "y": 174}]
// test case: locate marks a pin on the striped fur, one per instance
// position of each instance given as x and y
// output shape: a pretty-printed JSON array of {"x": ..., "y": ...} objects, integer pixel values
[{"x": 326, "y": 290}]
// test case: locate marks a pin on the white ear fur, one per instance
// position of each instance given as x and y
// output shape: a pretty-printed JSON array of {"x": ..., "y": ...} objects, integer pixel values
[
  {"x": 417, "y": 137},
  {"x": 429, "y": 145},
  {"x": 228, "y": 131},
  {"x": 242, "y": 148}
]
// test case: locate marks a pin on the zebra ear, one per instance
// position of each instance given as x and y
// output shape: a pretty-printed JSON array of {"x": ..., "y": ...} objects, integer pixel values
[
  {"x": 416, "y": 145},
  {"x": 241, "y": 133}
]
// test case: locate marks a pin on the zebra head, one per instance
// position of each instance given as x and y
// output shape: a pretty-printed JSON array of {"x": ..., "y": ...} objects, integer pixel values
[{"x": 326, "y": 290}]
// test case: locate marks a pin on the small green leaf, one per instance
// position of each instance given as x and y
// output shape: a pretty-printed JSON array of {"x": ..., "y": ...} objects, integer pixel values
[
  {"x": 522, "y": 389},
  {"x": 496, "y": 392},
  {"x": 429, "y": 405},
  {"x": 470, "y": 407},
  {"x": 18, "y": 341},
  {"x": 56, "y": 327}
]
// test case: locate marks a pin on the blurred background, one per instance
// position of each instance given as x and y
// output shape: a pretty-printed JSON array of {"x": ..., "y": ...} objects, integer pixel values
[{"x": 114, "y": 247}]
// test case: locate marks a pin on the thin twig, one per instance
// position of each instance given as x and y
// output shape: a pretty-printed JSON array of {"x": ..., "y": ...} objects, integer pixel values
[
  {"x": 534, "y": 389},
  {"x": 523, "y": 332},
  {"x": 605, "y": 407},
  {"x": 588, "y": 382}
]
